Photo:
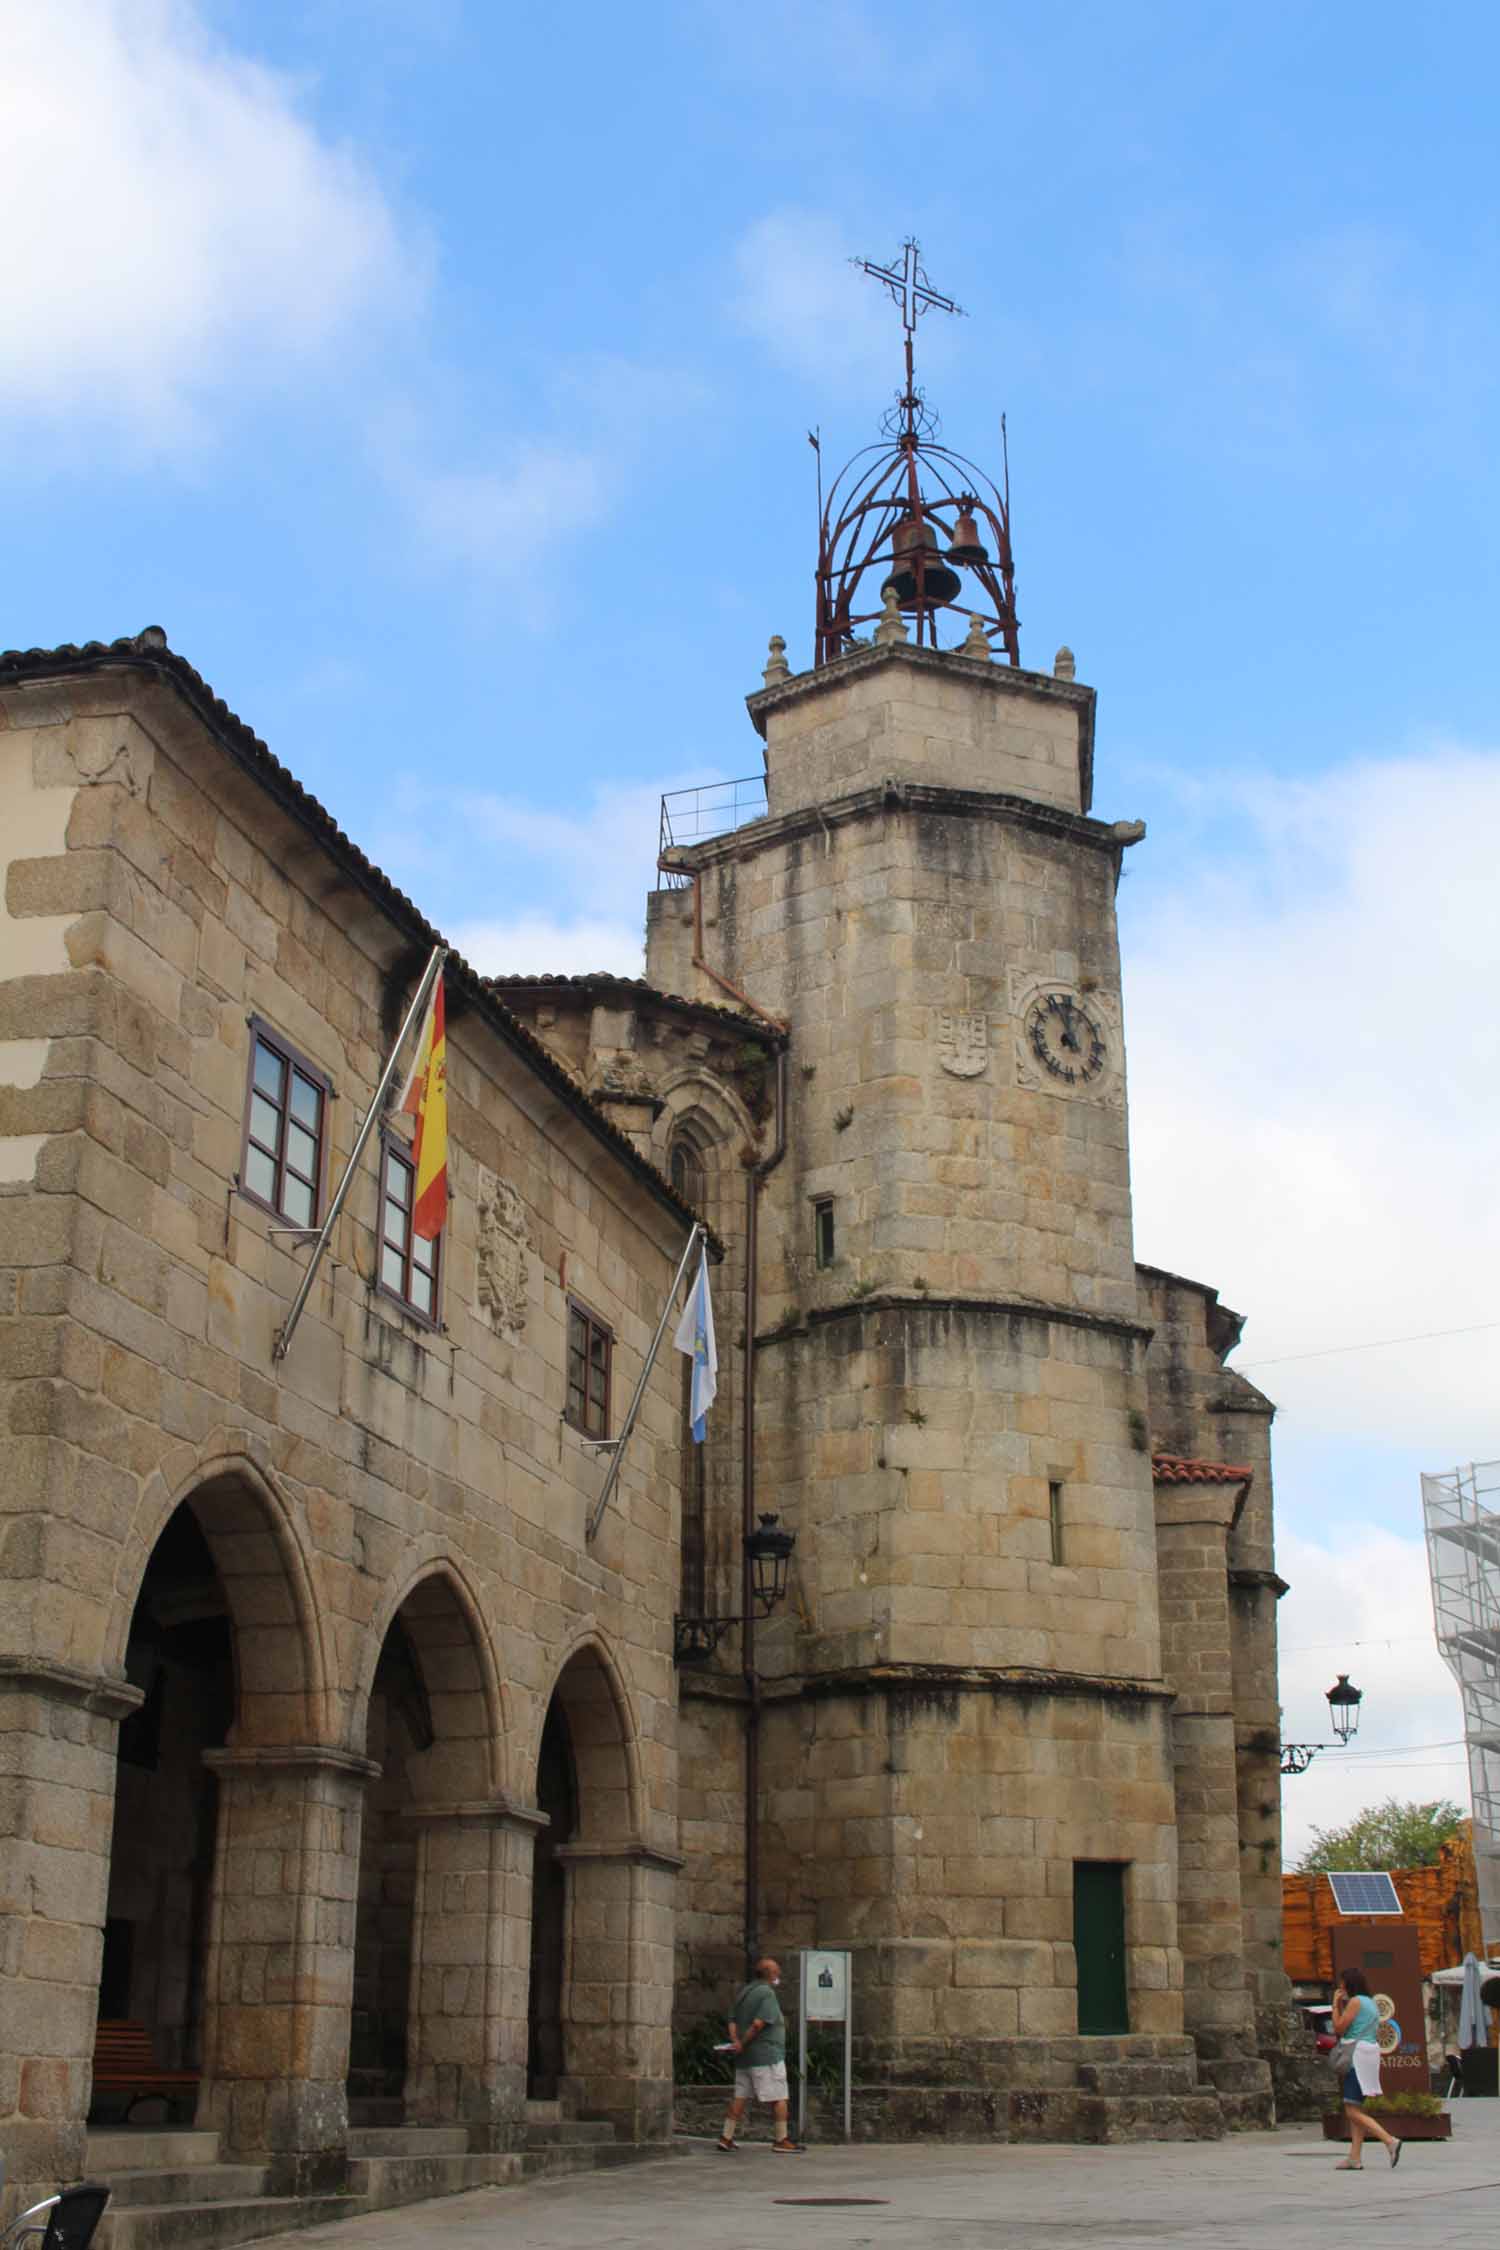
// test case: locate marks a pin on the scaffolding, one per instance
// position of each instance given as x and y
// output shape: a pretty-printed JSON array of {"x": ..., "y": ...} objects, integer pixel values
[{"x": 1461, "y": 1510}]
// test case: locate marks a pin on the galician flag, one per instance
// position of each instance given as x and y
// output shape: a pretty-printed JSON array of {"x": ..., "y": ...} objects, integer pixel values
[
  {"x": 425, "y": 1097},
  {"x": 695, "y": 1336}
]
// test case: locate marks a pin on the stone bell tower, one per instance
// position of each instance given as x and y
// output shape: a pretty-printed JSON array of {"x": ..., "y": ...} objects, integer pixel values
[{"x": 965, "y": 1753}]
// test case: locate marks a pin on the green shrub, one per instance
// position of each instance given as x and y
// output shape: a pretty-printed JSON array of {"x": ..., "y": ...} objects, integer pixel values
[
  {"x": 694, "y": 2062},
  {"x": 1404, "y": 2105}
]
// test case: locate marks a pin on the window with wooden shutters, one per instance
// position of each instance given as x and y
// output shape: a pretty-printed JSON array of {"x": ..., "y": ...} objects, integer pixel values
[
  {"x": 286, "y": 1130},
  {"x": 590, "y": 1346}
]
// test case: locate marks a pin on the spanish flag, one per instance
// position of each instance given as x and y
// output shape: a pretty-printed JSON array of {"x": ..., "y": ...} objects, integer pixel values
[{"x": 425, "y": 1097}]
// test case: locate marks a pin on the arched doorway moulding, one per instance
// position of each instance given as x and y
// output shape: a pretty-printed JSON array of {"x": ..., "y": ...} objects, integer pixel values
[
  {"x": 431, "y": 1560},
  {"x": 616, "y": 2000},
  {"x": 465, "y": 2023},
  {"x": 279, "y": 1949},
  {"x": 281, "y": 1660}
]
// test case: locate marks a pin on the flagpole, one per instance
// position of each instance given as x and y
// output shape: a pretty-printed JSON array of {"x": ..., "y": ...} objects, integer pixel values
[
  {"x": 617, "y": 1445},
  {"x": 413, "y": 1015}
]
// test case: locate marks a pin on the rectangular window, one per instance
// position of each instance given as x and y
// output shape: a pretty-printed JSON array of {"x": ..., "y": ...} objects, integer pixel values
[
  {"x": 590, "y": 1346},
  {"x": 1055, "y": 1518},
  {"x": 286, "y": 1116},
  {"x": 408, "y": 1269},
  {"x": 823, "y": 1232}
]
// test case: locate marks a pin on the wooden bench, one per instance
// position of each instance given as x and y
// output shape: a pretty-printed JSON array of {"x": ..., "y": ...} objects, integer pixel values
[{"x": 124, "y": 2064}]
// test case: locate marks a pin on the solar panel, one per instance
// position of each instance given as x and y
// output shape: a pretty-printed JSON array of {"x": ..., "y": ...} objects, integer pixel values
[{"x": 1365, "y": 1894}]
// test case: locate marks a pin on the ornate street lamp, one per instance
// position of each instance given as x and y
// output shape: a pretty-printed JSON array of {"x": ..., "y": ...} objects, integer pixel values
[
  {"x": 769, "y": 1551},
  {"x": 1343, "y": 1709}
]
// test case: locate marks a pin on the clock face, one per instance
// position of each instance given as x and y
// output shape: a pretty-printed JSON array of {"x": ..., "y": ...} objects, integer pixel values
[{"x": 1065, "y": 1039}]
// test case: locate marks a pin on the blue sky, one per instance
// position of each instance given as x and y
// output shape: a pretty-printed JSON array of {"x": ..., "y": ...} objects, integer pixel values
[{"x": 439, "y": 379}]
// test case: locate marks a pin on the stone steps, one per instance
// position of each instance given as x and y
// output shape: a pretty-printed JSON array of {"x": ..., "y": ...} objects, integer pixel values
[
  {"x": 378, "y": 2183},
  {"x": 130, "y": 2148},
  {"x": 1092, "y": 2118},
  {"x": 215, "y": 2226},
  {"x": 594, "y": 2131},
  {"x": 193, "y": 2183},
  {"x": 408, "y": 2140},
  {"x": 1179, "y": 2076},
  {"x": 170, "y": 2192}
]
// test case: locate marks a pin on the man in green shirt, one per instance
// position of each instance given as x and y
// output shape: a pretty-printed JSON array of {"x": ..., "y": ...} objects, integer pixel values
[{"x": 757, "y": 2036}]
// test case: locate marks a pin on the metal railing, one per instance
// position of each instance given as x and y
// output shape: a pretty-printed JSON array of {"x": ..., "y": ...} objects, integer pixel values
[{"x": 691, "y": 816}]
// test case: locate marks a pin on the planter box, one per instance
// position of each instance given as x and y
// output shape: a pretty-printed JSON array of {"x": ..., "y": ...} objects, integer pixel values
[{"x": 1403, "y": 2128}]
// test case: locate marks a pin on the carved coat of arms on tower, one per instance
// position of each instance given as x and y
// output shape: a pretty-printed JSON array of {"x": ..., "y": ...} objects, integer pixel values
[
  {"x": 501, "y": 1261},
  {"x": 963, "y": 1043}
]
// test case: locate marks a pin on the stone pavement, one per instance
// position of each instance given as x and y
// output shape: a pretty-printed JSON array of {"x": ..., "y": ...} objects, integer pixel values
[{"x": 1245, "y": 2193}]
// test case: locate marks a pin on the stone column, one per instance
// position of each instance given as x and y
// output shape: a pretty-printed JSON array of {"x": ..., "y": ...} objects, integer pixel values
[
  {"x": 470, "y": 1959},
  {"x": 280, "y": 1973},
  {"x": 617, "y": 1985},
  {"x": 58, "y": 1737}
]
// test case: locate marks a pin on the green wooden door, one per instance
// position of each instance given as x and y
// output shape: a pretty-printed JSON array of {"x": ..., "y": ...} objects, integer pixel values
[{"x": 1099, "y": 1942}]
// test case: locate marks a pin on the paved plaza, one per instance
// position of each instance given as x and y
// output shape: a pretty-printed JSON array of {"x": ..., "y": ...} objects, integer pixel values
[{"x": 1252, "y": 2192}]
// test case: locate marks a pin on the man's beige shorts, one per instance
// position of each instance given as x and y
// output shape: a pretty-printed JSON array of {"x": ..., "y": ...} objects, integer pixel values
[{"x": 765, "y": 2082}]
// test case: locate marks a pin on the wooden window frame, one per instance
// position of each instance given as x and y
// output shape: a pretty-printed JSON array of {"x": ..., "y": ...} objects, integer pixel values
[
  {"x": 823, "y": 1217},
  {"x": 395, "y": 1149},
  {"x": 263, "y": 1034},
  {"x": 594, "y": 1326}
]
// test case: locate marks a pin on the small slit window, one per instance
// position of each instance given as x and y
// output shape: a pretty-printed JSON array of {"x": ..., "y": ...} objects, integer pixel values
[
  {"x": 590, "y": 1350},
  {"x": 408, "y": 1265},
  {"x": 1055, "y": 1517},
  {"x": 823, "y": 1232},
  {"x": 286, "y": 1114}
]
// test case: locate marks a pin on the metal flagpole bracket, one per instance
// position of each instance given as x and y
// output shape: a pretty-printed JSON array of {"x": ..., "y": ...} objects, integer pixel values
[
  {"x": 596, "y": 1517},
  {"x": 413, "y": 1015}
]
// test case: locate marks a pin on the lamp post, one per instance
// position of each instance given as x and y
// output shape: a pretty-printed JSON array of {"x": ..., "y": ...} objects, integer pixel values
[
  {"x": 768, "y": 1549},
  {"x": 1343, "y": 1701}
]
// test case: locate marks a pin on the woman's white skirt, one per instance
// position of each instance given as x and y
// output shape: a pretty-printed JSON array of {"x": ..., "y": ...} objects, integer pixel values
[{"x": 1367, "y": 2066}]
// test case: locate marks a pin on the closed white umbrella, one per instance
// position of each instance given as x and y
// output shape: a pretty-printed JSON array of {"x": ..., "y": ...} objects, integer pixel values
[{"x": 1473, "y": 2015}]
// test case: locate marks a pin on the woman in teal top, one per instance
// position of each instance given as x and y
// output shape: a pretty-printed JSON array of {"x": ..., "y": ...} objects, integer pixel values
[{"x": 1357, "y": 2019}]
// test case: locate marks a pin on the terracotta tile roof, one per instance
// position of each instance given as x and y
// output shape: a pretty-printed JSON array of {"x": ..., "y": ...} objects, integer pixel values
[
  {"x": 148, "y": 653},
  {"x": 1176, "y": 1468}
]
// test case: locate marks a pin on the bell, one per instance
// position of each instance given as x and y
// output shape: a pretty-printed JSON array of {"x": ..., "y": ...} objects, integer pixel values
[
  {"x": 914, "y": 536},
  {"x": 967, "y": 547}
]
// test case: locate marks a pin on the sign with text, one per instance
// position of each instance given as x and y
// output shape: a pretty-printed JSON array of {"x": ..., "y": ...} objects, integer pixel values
[{"x": 825, "y": 1987}]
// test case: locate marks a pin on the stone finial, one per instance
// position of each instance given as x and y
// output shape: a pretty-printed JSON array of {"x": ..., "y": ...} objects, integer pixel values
[
  {"x": 892, "y": 626},
  {"x": 978, "y": 642},
  {"x": 151, "y": 636},
  {"x": 777, "y": 668},
  {"x": 1062, "y": 664}
]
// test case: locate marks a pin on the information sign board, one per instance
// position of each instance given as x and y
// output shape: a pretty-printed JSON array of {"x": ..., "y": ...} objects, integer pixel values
[{"x": 825, "y": 1987}]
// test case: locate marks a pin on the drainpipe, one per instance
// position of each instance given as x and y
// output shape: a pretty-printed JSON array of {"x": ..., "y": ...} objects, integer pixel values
[
  {"x": 755, "y": 1180},
  {"x": 756, "y": 1177}
]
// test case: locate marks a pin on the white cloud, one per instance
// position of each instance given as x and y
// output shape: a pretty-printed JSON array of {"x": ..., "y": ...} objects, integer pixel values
[
  {"x": 545, "y": 945},
  {"x": 1315, "y": 1079},
  {"x": 798, "y": 295},
  {"x": 176, "y": 223},
  {"x": 1363, "y": 1607}
]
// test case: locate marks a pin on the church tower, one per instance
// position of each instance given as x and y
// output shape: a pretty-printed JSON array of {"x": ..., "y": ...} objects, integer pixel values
[{"x": 965, "y": 1751}]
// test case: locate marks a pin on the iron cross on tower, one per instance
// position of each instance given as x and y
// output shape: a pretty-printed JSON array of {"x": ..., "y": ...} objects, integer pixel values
[{"x": 913, "y": 293}]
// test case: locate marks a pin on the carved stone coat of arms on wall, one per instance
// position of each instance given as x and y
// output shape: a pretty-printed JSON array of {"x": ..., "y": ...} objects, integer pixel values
[
  {"x": 963, "y": 1044},
  {"x": 502, "y": 1246}
]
